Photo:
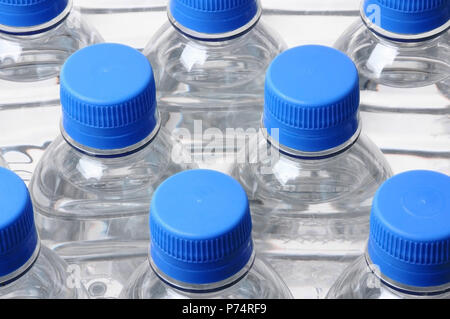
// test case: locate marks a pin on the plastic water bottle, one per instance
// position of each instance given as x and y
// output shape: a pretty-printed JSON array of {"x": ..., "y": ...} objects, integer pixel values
[
  {"x": 27, "y": 268},
  {"x": 93, "y": 186},
  {"x": 209, "y": 61},
  {"x": 36, "y": 37},
  {"x": 407, "y": 254},
  {"x": 402, "y": 51},
  {"x": 201, "y": 244},
  {"x": 311, "y": 176}
]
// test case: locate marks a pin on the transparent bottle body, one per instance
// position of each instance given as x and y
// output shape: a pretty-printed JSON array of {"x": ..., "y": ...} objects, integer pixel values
[
  {"x": 218, "y": 83},
  {"x": 29, "y": 87},
  {"x": 405, "y": 95},
  {"x": 47, "y": 278},
  {"x": 311, "y": 215},
  {"x": 361, "y": 280},
  {"x": 257, "y": 281},
  {"x": 93, "y": 211}
]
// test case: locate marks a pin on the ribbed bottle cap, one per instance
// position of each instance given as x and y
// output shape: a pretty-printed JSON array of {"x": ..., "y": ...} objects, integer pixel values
[
  {"x": 108, "y": 97},
  {"x": 312, "y": 97},
  {"x": 200, "y": 227},
  {"x": 27, "y": 13},
  {"x": 407, "y": 16},
  {"x": 213, "y": 16},
  {"x": 18, "y": 236},
  {"x": 410, "y": 229}
]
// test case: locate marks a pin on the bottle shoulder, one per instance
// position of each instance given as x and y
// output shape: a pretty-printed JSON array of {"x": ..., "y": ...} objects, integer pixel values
[
  {"x": 168, "y": 36},
  {"x": 70, "y": 181},
  {"x": 49, "y": 49},
  {"x": 260, "y": 282},
  {"x": 348, "y": 179},
  {"x": 206, "y": 64},
  {"x": 398, "y": 64},
  {"x": 46, "y": 279}
]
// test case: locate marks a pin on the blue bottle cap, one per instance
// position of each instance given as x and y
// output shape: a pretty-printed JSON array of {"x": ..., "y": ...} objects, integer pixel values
[
  {"x": 213, "y": 16},
  {"x": 312, "y": 97},
  {"x": 407, "y": 16},
  {"x": 200, "y": 227},
  {"x": 108, "y": 97},
  {"x": 27, "y": 13},
  {"x": 410, "y": 229},
  {"x": 18, "y": 236}
]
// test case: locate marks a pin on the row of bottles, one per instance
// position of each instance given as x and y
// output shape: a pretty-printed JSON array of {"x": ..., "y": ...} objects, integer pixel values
[
  {"x": 201, "y": 245},
  {"x": 310, "y": 173}
]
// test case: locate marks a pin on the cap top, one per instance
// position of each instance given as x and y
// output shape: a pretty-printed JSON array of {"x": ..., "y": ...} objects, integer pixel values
[
  {"x": 410, "y": 228},
  {"x": 108, "y": 96},
  {"x": 200, "y": 227},
  {"x": 312, "y": 96}
]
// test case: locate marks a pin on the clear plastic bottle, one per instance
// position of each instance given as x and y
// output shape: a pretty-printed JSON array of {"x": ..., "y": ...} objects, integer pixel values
[
  {"x": 209, "y": 68},
  {"x": 311, "y": 176},
  {"x": 36, "y": 37},
  {"x": 407, "y": 255},
  {"x": 92, "y": 188},
  {"x": 27, "y": 268},
  {"x": 201, "y": 244},
  {"x": 402, "y": 51}
]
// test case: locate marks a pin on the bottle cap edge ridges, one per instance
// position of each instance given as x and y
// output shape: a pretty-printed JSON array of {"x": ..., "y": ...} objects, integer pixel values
[
  {"x": 26, "y": 14},
  {"x": 213, "y": 17},
  {"x": 407, "y": 17}
]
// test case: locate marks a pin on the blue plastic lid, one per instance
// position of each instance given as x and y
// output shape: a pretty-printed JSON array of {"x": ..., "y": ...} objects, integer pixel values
[
  {"x": 27, "y": 13},
  {"x": 410, "y": 229},
  {"x": 407, "y": 16},
  {"x": 200, "y": 227},
  {"x": 213, "y": 16},
  {"x": 312, "y": 97},
  {"x": 108, "y": 96},
  {"x": 18, "y": 236}
]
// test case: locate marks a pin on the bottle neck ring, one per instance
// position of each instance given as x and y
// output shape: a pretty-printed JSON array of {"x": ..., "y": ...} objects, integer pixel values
[
  {"x": 6, "y": 280},
  {"x": 203, "y": 288},
  {"x": 400, "y": 288},
  {"x": 112, "y": 153},
  {"x": 398, "y": 37},
  {"x": 215, "y": 37},
  {"x": 312, "y": 155}
]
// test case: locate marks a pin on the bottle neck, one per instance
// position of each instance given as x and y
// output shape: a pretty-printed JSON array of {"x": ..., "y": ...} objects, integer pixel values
[
  {"x": 6, "y": 280},
  {"x": 397, "y": 37},
  {"x": 298, "y": 154},
  {"x": 24, "y": 31},
  {"x": 215, "y": 37},
  {"x": 402, "y": 290},
  {"x": 203, "y": 288},
  {"x": 112, "y": 153}
]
